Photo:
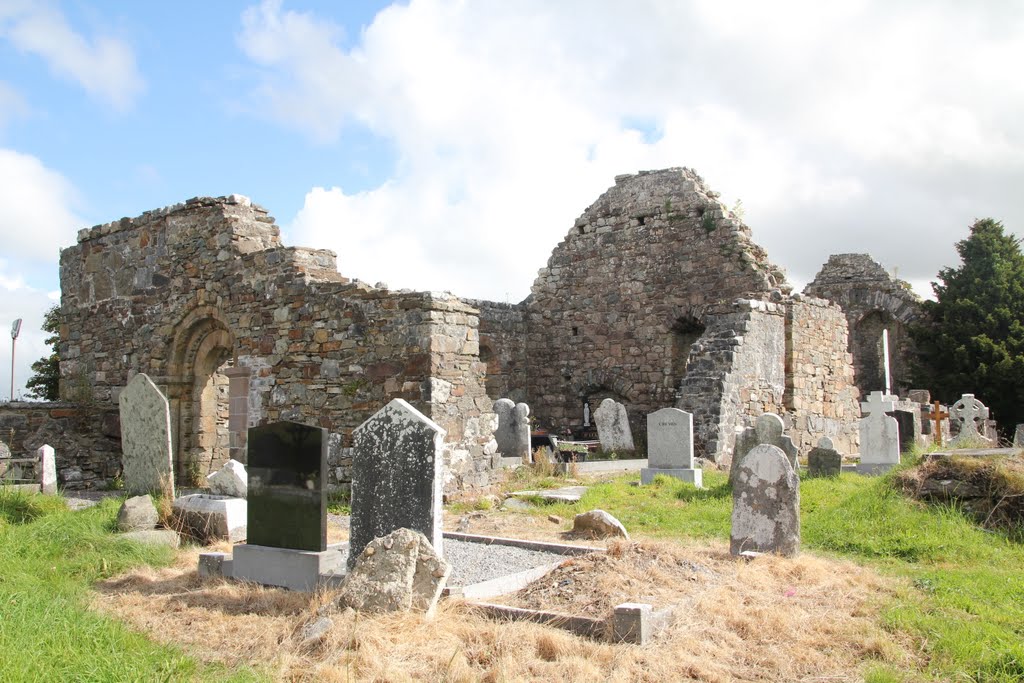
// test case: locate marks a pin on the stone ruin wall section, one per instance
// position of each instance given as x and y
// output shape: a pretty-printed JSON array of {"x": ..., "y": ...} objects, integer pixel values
[
  {"x": 503, "y": 348},
  {"x": 154, "y": 293},
  {"x": 656, "y": 247}
]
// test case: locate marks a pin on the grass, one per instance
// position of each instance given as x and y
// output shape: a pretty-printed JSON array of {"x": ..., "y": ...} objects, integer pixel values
[
  {"x": 964, "y": 596},
  {"x": 49, "y": 557}
]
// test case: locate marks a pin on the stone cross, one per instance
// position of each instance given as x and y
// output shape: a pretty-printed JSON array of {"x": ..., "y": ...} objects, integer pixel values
[
  {"x": 970, "y": 413},
  {"x": 613, "y": 427},
  {"x": 145, "y": 437},
  {"x": 824, "y": 460},
  {"x": 768, "y": 429},
  {"x": 937, "y": 415},
  {"x": 879, "y": 435},
  {"x": 397, "y": 465},
  {"x": 513, "y": 432},
  {"x": 765, "y": 504},
  {"x": 670, "y": 446}
]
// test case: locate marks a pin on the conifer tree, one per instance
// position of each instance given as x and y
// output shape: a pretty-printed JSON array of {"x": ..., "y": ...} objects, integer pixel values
[{"x": 45, "y": 384}]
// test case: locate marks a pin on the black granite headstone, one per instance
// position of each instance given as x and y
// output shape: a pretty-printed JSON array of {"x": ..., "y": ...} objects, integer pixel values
[
  {"x": 287, "y": 500},
  {"x": 396, "y": 477}
]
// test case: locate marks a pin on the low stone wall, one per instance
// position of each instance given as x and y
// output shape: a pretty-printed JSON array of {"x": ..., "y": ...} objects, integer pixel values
[{"x": 86, "y": 442}]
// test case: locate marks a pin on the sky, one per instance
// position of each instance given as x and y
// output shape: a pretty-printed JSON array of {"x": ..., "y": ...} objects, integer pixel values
[{"x": 451, "y": 144}]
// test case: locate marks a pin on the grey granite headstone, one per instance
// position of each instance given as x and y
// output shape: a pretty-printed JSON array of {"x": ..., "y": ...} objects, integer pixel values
[
  {"x": 613, "y": 427},
  {"x": 879, "y": 435},
  {"x": 513, "y": 432},
  {"x": 396, "y": 476},
  {"x": 670, "y": 446},
  {"x": 145, "y": 437},
  {"x": 47, "y": 469},
  {"x": 970, "y": 414},
  {"x": 1018, "y": 437},
  {"x": 824, "y": 460},
  {"x": 287, "y": 500},
  {"x": 767, "y": 429},
  {"x": 765, "y": 504}
]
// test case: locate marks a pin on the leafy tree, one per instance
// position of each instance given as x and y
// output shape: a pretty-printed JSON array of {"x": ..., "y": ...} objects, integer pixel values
[
  {"x": 973, "y": 340},
  {"x": 45, "y": 384}
]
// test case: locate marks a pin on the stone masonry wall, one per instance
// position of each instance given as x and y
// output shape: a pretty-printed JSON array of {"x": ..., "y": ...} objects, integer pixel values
[
  {"x": 821, "y": 398},
  {"x": 655, "y": 249},
  {"x": 177, "y": 292},
  {"x": 503, "y": 348},
  {"x": 872, "y": 301}
]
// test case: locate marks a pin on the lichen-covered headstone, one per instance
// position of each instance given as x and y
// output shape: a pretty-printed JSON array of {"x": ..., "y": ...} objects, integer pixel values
[
  {"x": 670, "y": 446},
  {"x": 513, "y": 432},
  {"x": 145, "y": 437},
  {"x": 970, "y": 414},
  {"x": 765, "y": 504},
  {"x": 768, "y": 429},
  {"x": 47, "y": 470},
  {"x": 1018, "y": 437},
  {"x": 286, "y": 496},
  {"x": 824, "y": 460},
  {"x": 613, "y": 427},
  {"x": 396, "y": 476},
  {"x": 879, "y": 435}
]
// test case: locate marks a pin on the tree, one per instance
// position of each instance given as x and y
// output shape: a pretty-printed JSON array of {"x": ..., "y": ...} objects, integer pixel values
[
  {"x": 45, "y": 384},
  {"x": 973, "y": 337}
]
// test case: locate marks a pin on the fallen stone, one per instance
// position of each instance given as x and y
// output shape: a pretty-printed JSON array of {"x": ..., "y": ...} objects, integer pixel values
[
  {"x": 397, "y": 572},
  {"x": 154, "y": 537},
  {"x": 566, "y": 494},
  {"x": 598, "y": 523},
  {"x": 230, "y": 480},
  {"x": 315, "y": 631},
  {"x": 554, "y": 519},
  {"x": 137, "y": 514},
  {"x": 211, "y": 518}
]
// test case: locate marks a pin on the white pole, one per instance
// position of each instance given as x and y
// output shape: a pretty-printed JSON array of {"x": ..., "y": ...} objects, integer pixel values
[
  {"x": 15, "y": 329},
  {"x": 885, "y": 354}
]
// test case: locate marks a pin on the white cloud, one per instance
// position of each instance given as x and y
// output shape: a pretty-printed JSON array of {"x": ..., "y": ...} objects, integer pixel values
[
  {"x": 18, "y": 300},
  {"x": 103, "y": 65},
  {"x": 835, "y": 124},
  {"x": 12, "y": 105},
  {"x": 36, "y": 209}
]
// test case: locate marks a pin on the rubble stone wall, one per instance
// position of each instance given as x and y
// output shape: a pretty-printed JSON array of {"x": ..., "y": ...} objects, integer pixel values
[{"x": 503, "y": 348}]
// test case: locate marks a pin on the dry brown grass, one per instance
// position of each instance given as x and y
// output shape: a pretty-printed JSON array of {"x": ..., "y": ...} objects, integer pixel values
[{"x": 772, "y": 619}]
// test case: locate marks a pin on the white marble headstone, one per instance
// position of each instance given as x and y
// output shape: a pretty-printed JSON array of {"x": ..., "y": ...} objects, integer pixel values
[
  {"x": 670, "y": 446},
  {"x": 879, "y": 434},
  {"x": 145, "y": 437}
]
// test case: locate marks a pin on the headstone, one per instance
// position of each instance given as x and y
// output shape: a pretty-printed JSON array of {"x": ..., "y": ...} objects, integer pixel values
[
  {"x": 287, "y": 501},
  {"x": 934, "y": 418},
  {"x": 613, "y": 427},
  {"x": 513, "y": 432},
  {"x": 137, "y": 514},
  {"x": 670, "y": 447},
  {"x": 230, "y": 480},
  {"x": 879, "y": 435},
  {"x": 970, "y": 414},
  {"x": 48, "y": 470},
  {"x": 209, "y": 518},
  {"x": 145, "y": 437},
  {"x": 922, "y": 396},
  {"x": 396, "y": 476},
  {"x": 767, "y": 429},
  {"x": 909, "y": 423},
  {"x": 396, "y": 572},
  {"x": 824, "y": 460},
  {"x": 5, "y": 455},
  {"x": 1018, "y": 437},
  {"x": 765, "y": 504}
]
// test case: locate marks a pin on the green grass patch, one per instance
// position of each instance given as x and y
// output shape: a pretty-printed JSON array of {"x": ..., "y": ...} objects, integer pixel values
[{"x": 49, "y": 557}]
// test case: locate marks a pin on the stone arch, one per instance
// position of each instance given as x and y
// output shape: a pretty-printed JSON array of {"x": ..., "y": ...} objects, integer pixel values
[
  {"x": 866, "y": 348},
  {"x": 202, "y": 349},
  {"x": 685, "y": 331}
]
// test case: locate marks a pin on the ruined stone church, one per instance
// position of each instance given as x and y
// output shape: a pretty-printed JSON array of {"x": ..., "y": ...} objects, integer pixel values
[{"x": 656, "y": 297}]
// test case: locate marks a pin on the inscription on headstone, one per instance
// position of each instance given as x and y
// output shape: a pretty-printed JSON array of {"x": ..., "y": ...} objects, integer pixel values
[
  {"x": 765, "y": 504},
  {"x": 513, "y": 432},
  {"x": 613, "y": 427},
  {"x": 145, "y": 437},
  {"x": 396, "y": 476},
  {"x": 670, "y": 446},
  {"x": 287, "y": 501}
]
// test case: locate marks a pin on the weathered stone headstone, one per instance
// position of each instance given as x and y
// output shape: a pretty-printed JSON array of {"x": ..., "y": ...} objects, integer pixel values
[
  {"x": 287, "y": 501},
  {"x": 613, "y": 427},
  {"x": 145, "y": 437},
  {"x": 879, "y": 435},
  {"x": 765, "y": 504},
  {"x": 5, "y": 457},
  {"x": 970, "y": 414},
  {"x": 137, "y": 514},
  {"x": 231, "y": 480},
  {"x": 396, "y": 476},
  {"x": 767, "y": 429},
  {"x": 824, "y": 460},
  {"x": 513, "y": 432},
  {"x": 670, "y": 446},
  {"x": 1018, "y": 437},
  {"x": 47, "y": 470}
]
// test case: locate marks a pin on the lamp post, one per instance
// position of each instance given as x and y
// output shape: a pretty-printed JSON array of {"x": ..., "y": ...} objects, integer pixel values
[{"x": 15, "y": 329}]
